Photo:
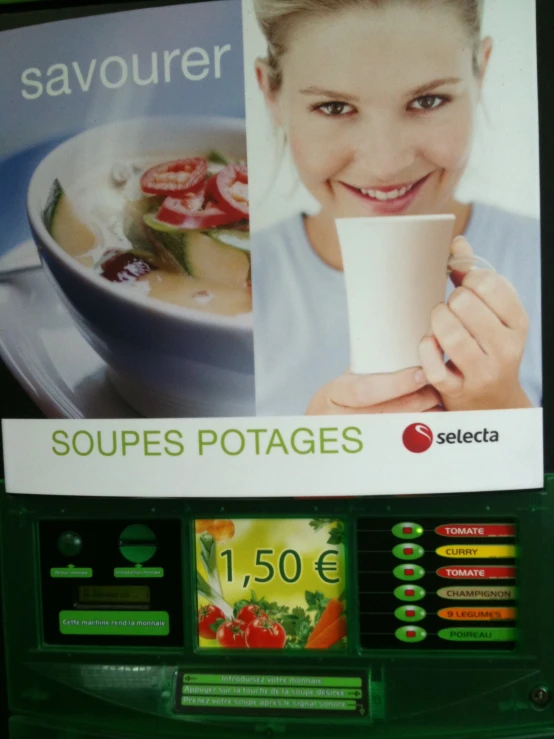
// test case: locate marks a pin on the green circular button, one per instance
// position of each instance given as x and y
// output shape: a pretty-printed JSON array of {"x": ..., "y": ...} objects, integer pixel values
[
  {"x": 409, "y": 592},
  {"x": 70, "y": 544},
  {"x": 137, "y": 543},
  {"x": 409, "y": 572},
  {"x": 408, "y": 551},
  {"x": 411, "y": 634},
  {"x": 407, "y": 530},
  {"x": 410, "y": 613}
]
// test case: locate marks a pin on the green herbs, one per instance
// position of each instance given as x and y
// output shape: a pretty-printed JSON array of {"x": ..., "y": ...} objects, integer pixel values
[{"x": 336, "y": 533}]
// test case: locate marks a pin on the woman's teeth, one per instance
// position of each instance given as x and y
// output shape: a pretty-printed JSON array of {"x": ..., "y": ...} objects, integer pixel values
[{"x": 389, "y": 195}]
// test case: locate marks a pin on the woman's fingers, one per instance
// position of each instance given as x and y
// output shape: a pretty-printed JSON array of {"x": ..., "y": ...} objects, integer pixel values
[
  {"x": 499, "y": 295},
  {"x": 438, "y": 374},
  {"x": 455, "y": 340},
  {"x": 421, "y": 401},
  {"x": 361, "y": 391},
  {"x": 484, "y": 325},
  {"x": 461, "y": 256}
]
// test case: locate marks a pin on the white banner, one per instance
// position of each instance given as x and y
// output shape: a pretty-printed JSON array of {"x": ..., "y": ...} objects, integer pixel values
[{"x": 293, "y": 456}]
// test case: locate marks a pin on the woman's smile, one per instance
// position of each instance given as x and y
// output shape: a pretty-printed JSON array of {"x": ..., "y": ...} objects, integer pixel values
[{"x": 389, "y": 199}]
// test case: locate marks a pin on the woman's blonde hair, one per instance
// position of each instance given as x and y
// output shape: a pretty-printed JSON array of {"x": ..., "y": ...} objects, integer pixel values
[{"x": 277, "y": 17}]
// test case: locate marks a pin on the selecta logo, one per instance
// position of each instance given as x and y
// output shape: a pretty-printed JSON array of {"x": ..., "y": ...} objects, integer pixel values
[{"x": 418, "y": 437}]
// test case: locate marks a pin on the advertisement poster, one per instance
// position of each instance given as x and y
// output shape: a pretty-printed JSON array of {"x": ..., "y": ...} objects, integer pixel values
[
  {"x": 271, "y": 584},
  {"x": 273, "y": 249}
]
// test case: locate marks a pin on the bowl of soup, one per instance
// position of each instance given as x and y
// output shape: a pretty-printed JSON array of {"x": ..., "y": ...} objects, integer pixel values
[{"x": 143, "y": 228}]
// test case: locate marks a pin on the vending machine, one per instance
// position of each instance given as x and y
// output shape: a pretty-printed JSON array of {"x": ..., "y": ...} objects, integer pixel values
[{"x": 207, "y": 528}]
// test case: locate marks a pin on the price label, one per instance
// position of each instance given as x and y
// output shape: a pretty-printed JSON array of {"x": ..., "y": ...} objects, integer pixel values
[{"x": 271, "y": 584}]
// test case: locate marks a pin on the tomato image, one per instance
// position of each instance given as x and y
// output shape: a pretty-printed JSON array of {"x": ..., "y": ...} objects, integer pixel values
[
  {"x": 262, "y": 633},
  {"x": 250, "y": 613},
  {"x": 207, "y": 617},
  {"x": 175, "y": 178},
  {"x": 230, "y": 188},
  {"x": 188, "y": 213},
  {"x": 231, "y": 634}
]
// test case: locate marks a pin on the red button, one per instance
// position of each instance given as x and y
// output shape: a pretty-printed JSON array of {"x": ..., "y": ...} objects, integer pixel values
[
  {"x": 409, "y": 571},
  {"x": 407, "y": 530},
  {"x": 410, "y": 634},
  {"x": 408, "y": 550},
  {"x": 410, "y": 593},
  {"x": 410, "y": 612}
]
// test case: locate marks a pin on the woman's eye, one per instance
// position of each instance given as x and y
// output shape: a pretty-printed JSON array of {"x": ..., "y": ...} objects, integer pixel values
[
  {"x": 427, "y": 102},
  {"x": 335, "y": 109}
]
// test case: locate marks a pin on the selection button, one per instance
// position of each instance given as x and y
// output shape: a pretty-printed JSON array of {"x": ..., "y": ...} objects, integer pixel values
[
  {"x": 476, "y": 530},
  {"x": 477, "y": 573},
  {"x": 70, "y": 544},
  {"x": 409, "y": 572},
  {"x": 411, "y": 634},
  {"x": 412, "y": 614},
  {"x": 485, "y": 551},
  {"x": 407, "y": 530},
  {"x": 478, "y": 614},
  {"x": 478, "y": 635},
  {"x": 410, "y": 593},
  {"x": 137, "y": 543},
  {"x": 408, "y": 551},
  {"x": 478, "y": 592}
]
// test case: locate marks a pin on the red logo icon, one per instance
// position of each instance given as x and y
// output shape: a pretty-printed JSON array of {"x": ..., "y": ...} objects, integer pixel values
[{"x": 417, "y": 438}]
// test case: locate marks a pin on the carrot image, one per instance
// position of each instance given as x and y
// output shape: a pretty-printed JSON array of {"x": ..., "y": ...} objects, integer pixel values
[
  {"x": 329, "y": 636},
  {"x": 221, "y": 530},
  {"x": 332, "y": 611}
]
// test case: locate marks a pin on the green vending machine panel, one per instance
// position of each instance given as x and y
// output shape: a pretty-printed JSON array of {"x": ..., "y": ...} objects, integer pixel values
[{"x": 386, "y": 618}]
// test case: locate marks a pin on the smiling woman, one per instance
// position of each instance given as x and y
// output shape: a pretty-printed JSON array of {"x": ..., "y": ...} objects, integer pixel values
[{"x": 377, "y": 100}]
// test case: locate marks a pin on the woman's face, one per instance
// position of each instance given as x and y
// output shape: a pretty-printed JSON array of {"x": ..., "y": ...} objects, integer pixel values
[{"x": 378, "y": 107}]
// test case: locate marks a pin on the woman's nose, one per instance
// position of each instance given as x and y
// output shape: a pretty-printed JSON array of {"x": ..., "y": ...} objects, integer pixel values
[{"x": 385, "y": 150}]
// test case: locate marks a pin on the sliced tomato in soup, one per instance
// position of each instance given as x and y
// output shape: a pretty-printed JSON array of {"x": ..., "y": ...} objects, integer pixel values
[
  {"x": 230, "y": 189},
  {"x": 178, "y": 213},
  {"x": 175, "y": 178}
]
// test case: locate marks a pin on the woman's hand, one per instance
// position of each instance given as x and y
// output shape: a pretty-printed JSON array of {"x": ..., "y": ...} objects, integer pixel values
[
  {"x": 483, "y": 329},
  {"x": 398, "y": 392}
]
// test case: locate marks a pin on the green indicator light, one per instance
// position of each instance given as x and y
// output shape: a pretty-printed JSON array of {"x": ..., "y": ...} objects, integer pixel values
[
  {"x": 479, "y": 635},
  {"x": 137, "y": 543},
  {"x": 410, "y": 593},
  {"x": 409, "y": 572},
  {"x": 407, "y": 530},
  {"x": 408, "y": 551},
  {"x": 411, "y": 634},
  {"x": 411, "y": 614}
]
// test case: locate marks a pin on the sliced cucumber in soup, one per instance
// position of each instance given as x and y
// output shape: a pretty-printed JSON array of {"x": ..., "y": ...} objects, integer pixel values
[
  {"x": 64, "y": 225},
  {"x": 231, "y": 237},
  {"x": 216, "y": 157},
  {"x": 200, "y": 255},
  {"x": 133, "y": 223}
]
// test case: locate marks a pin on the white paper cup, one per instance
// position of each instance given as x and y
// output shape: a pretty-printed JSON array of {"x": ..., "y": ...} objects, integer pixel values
[{"x": 395, "y": 268}]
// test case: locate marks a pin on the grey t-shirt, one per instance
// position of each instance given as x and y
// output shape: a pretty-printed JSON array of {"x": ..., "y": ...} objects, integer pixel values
[{"x": 300, "y": 312}]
